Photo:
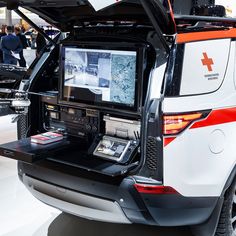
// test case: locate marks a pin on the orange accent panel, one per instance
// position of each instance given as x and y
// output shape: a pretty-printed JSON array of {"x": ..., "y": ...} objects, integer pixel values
[
  {"x": 199, "y": 36},
  {"x": 168, "y": 140}
]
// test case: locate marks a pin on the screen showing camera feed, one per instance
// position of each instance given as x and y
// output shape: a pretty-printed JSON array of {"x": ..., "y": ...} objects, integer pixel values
[
  {"x": 100, "y": 75},
  {"x": 111, "y": 148}
]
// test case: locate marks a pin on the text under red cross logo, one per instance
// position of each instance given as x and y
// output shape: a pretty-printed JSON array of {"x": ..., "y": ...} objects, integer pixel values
[{"x": 206, "y": 61}]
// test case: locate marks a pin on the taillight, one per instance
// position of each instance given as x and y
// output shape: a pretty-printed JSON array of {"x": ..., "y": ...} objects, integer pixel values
[
  {"x": 155, "y": 189},
  {"x": 174, "y": 124}
]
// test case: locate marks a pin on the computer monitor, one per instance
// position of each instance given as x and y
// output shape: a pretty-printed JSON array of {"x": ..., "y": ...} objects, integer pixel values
[{"x": 100, "y": 76}]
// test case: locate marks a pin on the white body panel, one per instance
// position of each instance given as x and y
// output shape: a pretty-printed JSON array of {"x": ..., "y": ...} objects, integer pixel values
[
  {"x": 197, "y": 77},
  {"x": 199, "y": 161},
  {"x": 157, "y": 77}
]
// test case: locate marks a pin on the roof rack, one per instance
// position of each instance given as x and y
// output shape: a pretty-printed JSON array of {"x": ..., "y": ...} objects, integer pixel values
[{"x": 189, "y": 18}]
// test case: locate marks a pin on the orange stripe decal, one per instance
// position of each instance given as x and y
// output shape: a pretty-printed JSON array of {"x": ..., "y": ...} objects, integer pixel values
[
  {"x": 199, "y": 36},
  {"x": 168, "y": 140},
  {"x": 217, "y": 117}
]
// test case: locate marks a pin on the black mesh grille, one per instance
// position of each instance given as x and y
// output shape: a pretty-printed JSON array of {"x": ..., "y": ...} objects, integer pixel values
[
  {"x": 151, "y": 153},
  {"x": 22, "y": 127}
]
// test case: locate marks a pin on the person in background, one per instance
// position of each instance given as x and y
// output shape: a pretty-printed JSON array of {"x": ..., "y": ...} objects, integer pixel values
[
  {"x": 24, "y": 43},
  {"x": 11, "y": 47},
  {"x": 3, "y": 30},
  {"x": 40, "y": 42},
  {"x": 2, "y": 33},
  {"x": 22, "y": 29}
]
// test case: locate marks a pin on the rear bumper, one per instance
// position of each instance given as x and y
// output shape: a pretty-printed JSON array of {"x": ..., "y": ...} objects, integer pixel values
[
  {"x": 76, "y": 203},
  {"x": 177, "y": 210},
  {"x": 115, "y": 201}
]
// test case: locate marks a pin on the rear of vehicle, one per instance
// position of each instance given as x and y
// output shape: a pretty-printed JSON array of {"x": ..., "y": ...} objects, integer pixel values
[
  {"x": 174, "y": 124},
  {"x": 199, "y": 160},
  {"x": 74, "y": 175}
]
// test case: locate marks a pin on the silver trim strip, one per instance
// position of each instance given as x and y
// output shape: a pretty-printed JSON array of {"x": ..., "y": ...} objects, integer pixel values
[{"x": 76, "y": 203}]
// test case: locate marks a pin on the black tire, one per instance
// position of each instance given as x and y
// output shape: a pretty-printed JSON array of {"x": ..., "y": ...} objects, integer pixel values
[{"x": 227, "y": 221}]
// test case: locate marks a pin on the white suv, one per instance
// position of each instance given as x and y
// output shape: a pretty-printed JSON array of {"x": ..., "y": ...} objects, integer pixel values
[{"x": 143, "y": 102}]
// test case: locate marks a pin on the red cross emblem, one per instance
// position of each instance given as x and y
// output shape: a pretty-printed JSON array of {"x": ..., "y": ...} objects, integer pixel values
[{"x": 206, "y": 61}]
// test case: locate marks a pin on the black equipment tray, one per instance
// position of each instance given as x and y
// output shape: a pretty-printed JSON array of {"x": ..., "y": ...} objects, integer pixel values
[
  {"x": 67, "y": 152},
  {"x": 24, "y": 150},
  {"x": 94, "y": 164}
]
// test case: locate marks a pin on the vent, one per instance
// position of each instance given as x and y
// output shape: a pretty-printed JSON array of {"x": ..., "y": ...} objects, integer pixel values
[{"x": 151, "y": 153}]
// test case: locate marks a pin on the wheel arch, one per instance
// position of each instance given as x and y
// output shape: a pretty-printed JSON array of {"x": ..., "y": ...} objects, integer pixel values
[
  {"x": 209, "y": 227},
  {"x": 229, "y": 181}
]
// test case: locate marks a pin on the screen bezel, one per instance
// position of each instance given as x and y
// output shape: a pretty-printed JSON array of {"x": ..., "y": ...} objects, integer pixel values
[{"x": 140, "y": 56}]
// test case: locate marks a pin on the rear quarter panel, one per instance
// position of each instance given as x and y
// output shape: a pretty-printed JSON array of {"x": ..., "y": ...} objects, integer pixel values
[{"x": 198, "y": 161}]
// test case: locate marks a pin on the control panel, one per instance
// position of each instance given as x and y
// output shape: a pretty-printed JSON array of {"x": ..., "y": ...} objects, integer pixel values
[
  {"x": 117, "y": 140},
  {"x": 80, "y": 122},
  {"x": 75, "y": 122},
  {"x": 116, "y": 149}
]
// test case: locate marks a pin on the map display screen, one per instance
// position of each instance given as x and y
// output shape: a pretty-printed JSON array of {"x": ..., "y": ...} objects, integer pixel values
[{"x": 99, "y": 76}]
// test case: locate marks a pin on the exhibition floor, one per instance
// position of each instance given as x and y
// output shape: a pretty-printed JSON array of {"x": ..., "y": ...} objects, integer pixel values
[
  {"x": 23, "y": 215},
  {"x": 20, "y": 213}
]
